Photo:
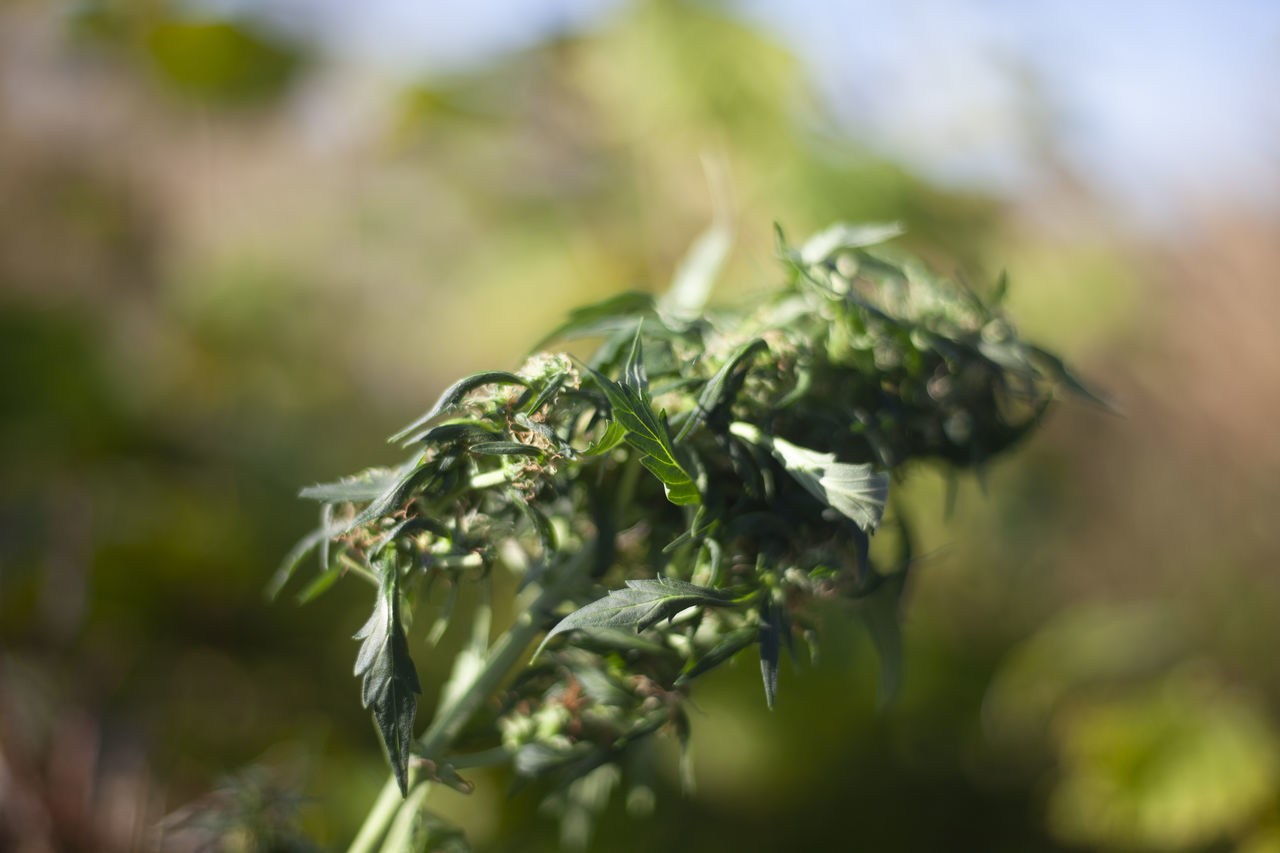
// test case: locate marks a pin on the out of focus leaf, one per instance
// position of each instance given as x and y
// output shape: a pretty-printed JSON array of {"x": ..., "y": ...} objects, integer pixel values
[
  {"x": 1084, "y": 648},
  {"x": 769, "y": 636},
  {"x": 220, "y": 61},
  {"x": 296, "y": 555},
  {"x": 1175, "y": 767},
  {"x": 697, "y": 273},
  {"x": 881, "y": 613},
  {"x": 621, "y": 312},
  {"x": 842, "y": 235}
]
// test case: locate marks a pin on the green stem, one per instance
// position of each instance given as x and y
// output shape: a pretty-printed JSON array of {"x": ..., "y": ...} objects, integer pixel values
[
  {"x": 358, "y": 570},
  {"x": 503, "y": 655},
  {"x": 405, "y": 830}
]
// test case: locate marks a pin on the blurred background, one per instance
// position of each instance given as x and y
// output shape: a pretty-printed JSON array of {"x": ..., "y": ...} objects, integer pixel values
[{"x": 242, "y": 241}]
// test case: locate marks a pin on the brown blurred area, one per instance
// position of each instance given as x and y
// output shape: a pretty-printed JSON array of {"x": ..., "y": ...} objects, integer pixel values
[{"x": 230, "y": 264}]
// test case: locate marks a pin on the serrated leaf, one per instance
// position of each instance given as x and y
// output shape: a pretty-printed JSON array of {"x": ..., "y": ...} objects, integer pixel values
[
  {"x": 729, "y": 645},
  {"x": 452, "y": 396},
  {"x": 715, "y": 392},
  {"x": 856, "y": 491},
  {"x": 843, "y": 235},
  {"x": 640, "y": 604},
  {"x": 390, "y": 680},
  {"x": 613, "y": 314},
  {"x": 646, "y": 431},
  {"x": 364, "y": 486}
]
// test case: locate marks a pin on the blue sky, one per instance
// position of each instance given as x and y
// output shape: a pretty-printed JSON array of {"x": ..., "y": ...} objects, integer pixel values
[{"x": 1153, "y": 102}]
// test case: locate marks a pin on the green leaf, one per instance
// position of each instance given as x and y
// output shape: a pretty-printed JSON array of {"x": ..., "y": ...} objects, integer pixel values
[
  {"x": 390, "y": 680},
  {"x": 769, "y": 636},
  {"x": 459, "y": 431},
  {"x": 549, "y": 390},
  {"x": 697, "y": 272},
  {"x": 397, "y": 494},
  {"x": 1056, "y": 370},
  {"x": 296, "y": 555},
  {"x": 365, "y": 486},
  {"x": 319, "y": 585},
  {"x": 410, "y": 527},
  {"x": 855, "y": 491},
  {"x": 452, "y": 396},
  {"x": 505, "y": 448},
  {"x": 641, "y": 603},
  {"x": 842, "y": 236},
  {"x": 716, "y": 392},
  {"x": 729, "y": 645},
  {"x": 880, "y": 612},
  {"x": 613, "y": 314},
  {"x": 613, "y": 435},
  {"x": 646, "y": 432}
]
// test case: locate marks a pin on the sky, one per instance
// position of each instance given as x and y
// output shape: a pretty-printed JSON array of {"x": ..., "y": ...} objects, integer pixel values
[{"x": 1153, "y": 103}]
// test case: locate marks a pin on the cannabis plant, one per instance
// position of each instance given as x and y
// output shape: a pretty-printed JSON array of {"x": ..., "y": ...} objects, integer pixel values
[{"x": 706, "y": 483}]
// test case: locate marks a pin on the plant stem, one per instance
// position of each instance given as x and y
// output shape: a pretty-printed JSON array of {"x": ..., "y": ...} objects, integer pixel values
[{"x": 503, "y": 655}]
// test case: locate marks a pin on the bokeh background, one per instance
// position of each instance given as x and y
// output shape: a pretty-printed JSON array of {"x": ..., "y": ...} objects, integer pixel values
[{"x": 241, "y": 242}]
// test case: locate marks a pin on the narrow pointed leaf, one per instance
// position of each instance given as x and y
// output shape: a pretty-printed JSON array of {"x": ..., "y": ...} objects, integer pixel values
[
  {"x": 769, "y": 636},
  {"x": 880, "y": 612},
  {"x": 640, "y": 604},
  {"x": 505, "y": 448},
  {"x": 296, "y": 555},
  {"x": 1058, "y": 371},
  {"x": 319, "y": 585},
  {"x": 460, "y": 431},
  {"x": 452, "y": 396},
  {"x": 729, "y": 645},
  {"x": 716, "y": 392}
]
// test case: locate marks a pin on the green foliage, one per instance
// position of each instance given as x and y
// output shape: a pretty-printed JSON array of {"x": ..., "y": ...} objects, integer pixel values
[
  {"x": 641, "y": 603},
  {"x": 220, "y": 62},
  {"x": 791, "y": 419},
  {"x": 390, "y": 681},
  {"x": 633, "y": 410}
]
